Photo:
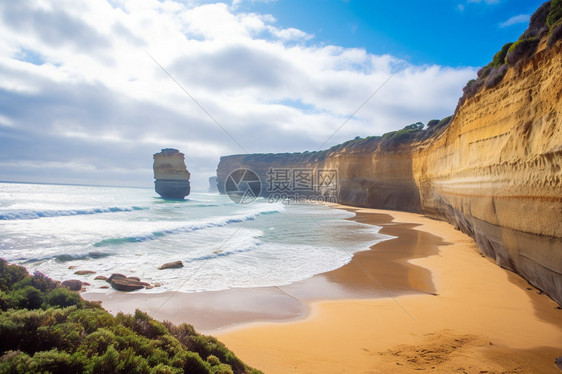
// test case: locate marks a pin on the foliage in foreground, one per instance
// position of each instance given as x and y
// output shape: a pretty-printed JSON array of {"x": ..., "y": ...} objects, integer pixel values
[{"x": 45, "y": 328}]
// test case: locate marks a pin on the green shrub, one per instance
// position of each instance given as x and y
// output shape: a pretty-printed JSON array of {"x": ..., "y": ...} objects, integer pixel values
[
  {"x": 414, "y": 126},
  {"x": 555, "y": 35},
  {"x": 27, "y": 297},
  {"x": 521, "y": 50},
  {"x": 97, "y": 342},
  {"x": 92, "y": 319},
  {"x": 555, "y": 13},
  {"x": 165, "y": 369},
  {"x": 52, "y": 361},
  {"x": 43, "y": 282},
  {"x": 10, "y": 274},
  {"x": 432, "y": 123},
  {"x": 106, "y": 363},
  {"x": 499, "y": 57},
  {"x": 222, "y": 369},
  {"x": 191, "y": 362},
  {"x": 62, "y": 297},
  {"x": 213, "y": 360},
  {"x": 484, "y": 71}
]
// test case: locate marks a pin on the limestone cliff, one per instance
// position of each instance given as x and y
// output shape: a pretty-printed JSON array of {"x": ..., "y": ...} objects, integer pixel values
[
  {"x": 494, "y": 171},
  {"x": 170, "y": 174}
]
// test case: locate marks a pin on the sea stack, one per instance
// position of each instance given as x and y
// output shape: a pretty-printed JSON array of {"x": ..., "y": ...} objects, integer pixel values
[{"x": 170, "y": 174}]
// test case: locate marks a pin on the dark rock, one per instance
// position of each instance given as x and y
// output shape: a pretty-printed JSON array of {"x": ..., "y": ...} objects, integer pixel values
[
  {"x": 558, "y": 362},
  {"x": 84, "y": 272},
  {"x": 104, "y": 287},
  {"x": 72, "y": 284},
  {"x": 171, "y": 265},
  {"x": 135, "y": 278},
  {"x": 126, "y": 284},
  {"x": 115, "y": 275},
  {"x": 172, "y": 189},
  {"x": 100, "y": 277}
]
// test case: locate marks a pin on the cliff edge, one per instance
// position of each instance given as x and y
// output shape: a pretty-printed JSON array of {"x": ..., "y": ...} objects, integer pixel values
[{"x": 494, "y": 170}]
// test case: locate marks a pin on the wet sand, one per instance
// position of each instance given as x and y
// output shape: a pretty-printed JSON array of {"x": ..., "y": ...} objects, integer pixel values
[{"x": 426, "y": 300}]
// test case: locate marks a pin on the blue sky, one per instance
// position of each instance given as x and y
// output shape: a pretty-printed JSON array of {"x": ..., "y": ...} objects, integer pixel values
[
  {"x": 444, "y": 32},
  {"x": 84, "y": 100}
]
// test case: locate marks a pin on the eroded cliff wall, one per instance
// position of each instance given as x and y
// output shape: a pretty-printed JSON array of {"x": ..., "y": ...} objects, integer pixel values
[{"x": 494, "y": 172}]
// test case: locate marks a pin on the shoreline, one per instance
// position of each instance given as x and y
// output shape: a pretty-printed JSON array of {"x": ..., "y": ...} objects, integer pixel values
[
  {"x": 482, "y": 319},
  {"x": 214, "y": 312},
  {"x": 438, "y": 295}
]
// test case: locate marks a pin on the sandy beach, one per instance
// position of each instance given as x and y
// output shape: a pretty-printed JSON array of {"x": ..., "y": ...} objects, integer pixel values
[{"x": 426, "y": 300}]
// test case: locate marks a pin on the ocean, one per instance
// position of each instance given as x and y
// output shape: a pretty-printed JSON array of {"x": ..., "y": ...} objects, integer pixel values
[{"x": 61, "y": 229}]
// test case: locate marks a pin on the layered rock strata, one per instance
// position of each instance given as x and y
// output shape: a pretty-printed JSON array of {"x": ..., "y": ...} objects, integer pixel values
[
  {"x": 170, "y": 174},
  {"x": 494, "y": 171}
]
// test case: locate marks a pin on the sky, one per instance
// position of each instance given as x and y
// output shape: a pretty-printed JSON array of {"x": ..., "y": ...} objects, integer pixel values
[{"x": 90, "y": 90}]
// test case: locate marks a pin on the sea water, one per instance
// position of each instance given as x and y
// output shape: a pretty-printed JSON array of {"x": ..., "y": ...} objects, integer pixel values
[{"x": 61, "y": 229}]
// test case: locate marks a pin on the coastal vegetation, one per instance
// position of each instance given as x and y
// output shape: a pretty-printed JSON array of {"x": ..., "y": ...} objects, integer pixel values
[
  {"x": 46, "y": 328},
  {"x": 546, "y": 21}
]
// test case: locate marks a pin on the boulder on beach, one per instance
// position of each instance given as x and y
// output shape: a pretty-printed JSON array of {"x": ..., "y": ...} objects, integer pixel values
[
  {"x": 115, "y": 275},
  {"x": 100, "y": 277},
  {"x": 122, "y": 283},
  {"x": 72, "y": 284},
  {"x": 171, "y": 265},
  {"x": 84, "y": 272}
]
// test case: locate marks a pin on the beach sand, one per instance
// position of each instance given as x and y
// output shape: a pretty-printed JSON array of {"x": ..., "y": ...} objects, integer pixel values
[
  {"x": 426, "y": 300},
  {"x": 481, "y": 319}
]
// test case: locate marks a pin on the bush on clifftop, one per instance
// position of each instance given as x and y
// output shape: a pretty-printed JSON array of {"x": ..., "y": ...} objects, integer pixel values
[
  {"x": 48, "y": 329},
  {"x": 521, "y": 49},
  {"x": 555, "y": 35},
  {"x": 547, "y": 20},
  {"x": 555, "y": 13}
]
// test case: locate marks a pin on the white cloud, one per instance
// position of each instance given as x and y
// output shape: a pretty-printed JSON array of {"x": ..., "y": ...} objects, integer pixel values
[
  {"x": 521, "y": 18},
  {"x": 81, "y": 83}
]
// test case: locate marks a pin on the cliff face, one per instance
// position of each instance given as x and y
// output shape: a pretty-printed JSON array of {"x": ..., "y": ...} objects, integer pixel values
[
  {"x": 494, "y": 172},
  {"x": 170, "y": 174}
]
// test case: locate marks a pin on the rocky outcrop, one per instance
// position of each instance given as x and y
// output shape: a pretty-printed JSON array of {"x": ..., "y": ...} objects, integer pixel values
[
  {"x": 171, "y": 265},
  {"x": 213, "y": 184},
  {"x": 494, "y": 171},
  {"x": 84, "y": 272},
  {"x": 127, "y": 284},
  {"x": 170, "y": 174},
  {"x": 72, "y": 284}
]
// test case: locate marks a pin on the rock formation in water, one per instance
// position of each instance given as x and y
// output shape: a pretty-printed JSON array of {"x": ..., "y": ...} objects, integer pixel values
[
  {"x": 494, "y": 170},
  {"x": 213, "y": 184},
  {"x": 170, "y": 174}
]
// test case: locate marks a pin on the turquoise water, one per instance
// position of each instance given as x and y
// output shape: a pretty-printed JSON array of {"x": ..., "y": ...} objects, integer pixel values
[{"x": 60, "y": 229}]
